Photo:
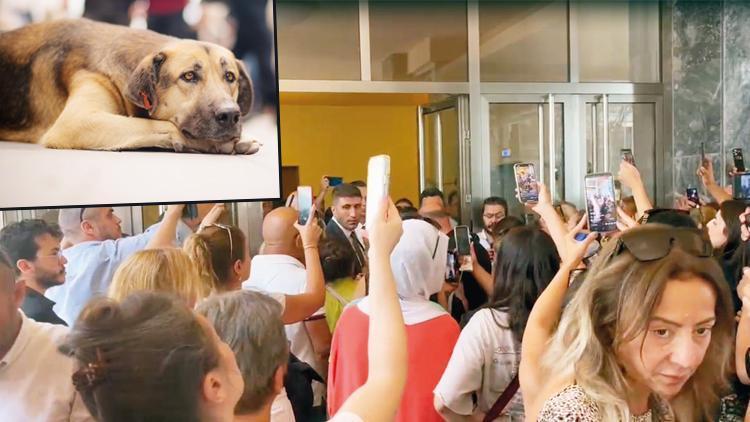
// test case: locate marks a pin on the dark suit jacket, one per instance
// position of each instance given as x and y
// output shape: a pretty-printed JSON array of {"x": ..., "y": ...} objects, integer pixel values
[
  {"x": 39, "y": 308},
  {"x": 333, "y": 231}
]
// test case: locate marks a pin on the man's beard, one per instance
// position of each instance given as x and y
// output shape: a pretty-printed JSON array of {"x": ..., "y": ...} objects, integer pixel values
[{"x": 48, "y": 281}]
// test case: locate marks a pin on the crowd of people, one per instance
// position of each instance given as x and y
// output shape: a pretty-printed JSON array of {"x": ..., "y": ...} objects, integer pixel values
[{"x": 330, "y": 321}]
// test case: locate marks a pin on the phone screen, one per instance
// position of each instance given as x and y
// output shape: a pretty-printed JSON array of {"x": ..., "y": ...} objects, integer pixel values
[
  {"x": 741, "y": 186},
  {"x": 378, "y": 183},
  {"x": 304, "y": 203},
  {"x": 692, "y": 195},
  {"x": 463, "y": 247},
  {"x": 739, "y": 162},
  {"x": 627, "y": 155},
  {"x": 190, "y": 211},
  {"x": 335, "y": 181},
  {"x": 600, "y": 202},
  {"x": 526, "y": 182},
  {"x": 703, "y": 154}
]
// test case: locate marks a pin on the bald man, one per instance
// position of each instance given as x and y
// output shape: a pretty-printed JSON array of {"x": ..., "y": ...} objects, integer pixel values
[
  {"x": 280, "y": 268},
  {"x": 96, "y": 250}
]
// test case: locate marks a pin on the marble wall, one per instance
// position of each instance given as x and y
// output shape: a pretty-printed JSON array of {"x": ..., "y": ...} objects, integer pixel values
[{"x": 710, "y": 85}]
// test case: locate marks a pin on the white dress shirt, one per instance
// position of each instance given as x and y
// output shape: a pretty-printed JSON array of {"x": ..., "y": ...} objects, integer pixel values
[
  {"x": 287, "y": 275},
  {"x": 91, "y": 266},
  {"x": 35, "y": 378}
]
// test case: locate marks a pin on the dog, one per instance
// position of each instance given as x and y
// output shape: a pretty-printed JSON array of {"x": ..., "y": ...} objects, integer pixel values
[{"x": 80, "y": 84}]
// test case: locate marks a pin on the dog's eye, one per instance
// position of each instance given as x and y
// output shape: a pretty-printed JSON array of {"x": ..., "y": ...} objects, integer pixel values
[
  {"x": 188, "y": 76},
  {"x": 229, "y": 76}
]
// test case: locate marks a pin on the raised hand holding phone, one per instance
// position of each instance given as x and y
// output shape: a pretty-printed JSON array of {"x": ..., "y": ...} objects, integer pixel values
[
  {"x": 378, "y": 184},
  {"x": 463, "y": 247},
  {"x": 601, "y": 207},
  {"x": 304, "y": 203},
  {"x": 311, "y": 231},
  {"x": 526, "y": 183}
]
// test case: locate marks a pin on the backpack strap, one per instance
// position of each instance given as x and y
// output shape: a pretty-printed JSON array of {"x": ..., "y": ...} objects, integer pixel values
[{"x": 502, "y": 402}]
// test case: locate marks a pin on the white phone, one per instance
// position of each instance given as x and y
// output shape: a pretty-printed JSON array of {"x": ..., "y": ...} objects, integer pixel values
[
  {"x": 304, "y": 203},
  {"x": 378, "y": 183}
]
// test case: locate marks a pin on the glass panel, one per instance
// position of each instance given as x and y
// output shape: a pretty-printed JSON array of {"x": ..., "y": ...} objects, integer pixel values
[
  {"x": 150, "y": 214},
  {"x": 318, "y": 40},
  {"x": 631, "y": 125},
  {"x": 618, "y": 41},
  {"x": 430, "y": 148},
  {"x": 451, "y": 162},
  {"x": 523, "y": 41},
  {"x": 418, "y": 41},
  {"x": 514, "y": 138}
]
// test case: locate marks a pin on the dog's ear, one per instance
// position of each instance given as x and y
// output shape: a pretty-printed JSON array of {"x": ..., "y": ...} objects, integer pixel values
[
  {"x": 141, "y": 89},
  {"x": 245, "y": 97}
]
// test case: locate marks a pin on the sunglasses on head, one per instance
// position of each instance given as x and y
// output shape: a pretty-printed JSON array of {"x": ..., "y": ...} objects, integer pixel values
[
  {"x": 656, "y": 243},
  {"x": 229, "y": 235},
  {"x": 655, "y": 211}
]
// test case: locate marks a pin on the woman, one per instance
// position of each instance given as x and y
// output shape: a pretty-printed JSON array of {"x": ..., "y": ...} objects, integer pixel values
[
  {"x": 725, "y": 234},
  {"x": 342, "y": 285},
  {"x": 419, "y": 263},
  {"x": 487, "y": 353},
  {"x": 644, "y": 338},
  {"x": 163, "y": 270},
  {"x": 150, "y": 357},
  {"x": 222, "y": 257}
]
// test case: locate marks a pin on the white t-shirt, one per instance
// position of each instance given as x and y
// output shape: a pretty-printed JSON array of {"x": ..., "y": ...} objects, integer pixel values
[
  {"x": 281, "y": 408},
  {"x": 484, "y": 360},
  {"x": 284, "y": 274},
  {"x": 35, "y": 378}
]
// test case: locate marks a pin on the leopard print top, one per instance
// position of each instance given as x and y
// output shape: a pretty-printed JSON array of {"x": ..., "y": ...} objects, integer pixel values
[{"x": 572, "y": 404}]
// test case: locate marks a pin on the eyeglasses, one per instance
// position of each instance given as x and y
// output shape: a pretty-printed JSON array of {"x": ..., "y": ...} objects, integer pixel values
[
  {"x": 656, "y": 243},
  {"x": 229, "y": 235}
]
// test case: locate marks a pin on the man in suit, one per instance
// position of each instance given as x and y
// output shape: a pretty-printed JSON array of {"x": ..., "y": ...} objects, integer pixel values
[{"x": 347, "y": 211}]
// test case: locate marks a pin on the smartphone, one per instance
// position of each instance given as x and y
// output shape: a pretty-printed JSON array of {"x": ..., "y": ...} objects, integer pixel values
[
  {"x": 526, "y": 182},
  {"x": 463, "y": 247},
  {"x": 304, "y": 203},
  {"x": 627, "y": 155},
  {"x": 739, "y": 162},
  {"x": 692, "y": 195},
  {"x": 378, "y": 183},
  {"x": 335, "y": 180},
  {"x": 190, "y": 211},
  {"x": 703, "y": 154},
  {"x": 601, "y": 207},
  {"x": 741, "y": 186}
]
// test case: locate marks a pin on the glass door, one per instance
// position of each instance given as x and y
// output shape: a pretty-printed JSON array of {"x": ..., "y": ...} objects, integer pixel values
[
  {"x": 443, "y": 152},
  {"x": 525, "y": 128},
  {"x": 615, "y": 122}
]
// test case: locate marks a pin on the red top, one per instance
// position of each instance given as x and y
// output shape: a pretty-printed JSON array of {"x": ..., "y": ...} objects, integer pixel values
[
  {"x": 164, "y": 7},
  {"x": 429, "y": 346}
]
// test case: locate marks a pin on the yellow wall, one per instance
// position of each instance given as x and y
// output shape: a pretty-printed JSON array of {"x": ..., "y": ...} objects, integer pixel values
[{"x": 337, "y": 140}]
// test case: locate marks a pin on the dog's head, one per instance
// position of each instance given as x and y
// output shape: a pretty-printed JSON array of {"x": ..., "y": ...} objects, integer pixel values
[{"x": 200, "y": 87}]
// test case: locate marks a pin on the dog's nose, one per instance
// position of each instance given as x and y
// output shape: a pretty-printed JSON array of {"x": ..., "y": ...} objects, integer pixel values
[{"x": 227, "y": 116}]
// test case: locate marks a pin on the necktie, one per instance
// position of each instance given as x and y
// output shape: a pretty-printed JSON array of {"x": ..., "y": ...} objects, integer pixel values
[{"x": 358, "y": 250}]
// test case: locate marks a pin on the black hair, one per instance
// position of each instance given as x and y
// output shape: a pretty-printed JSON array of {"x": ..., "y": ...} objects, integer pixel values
[
  {"x": 495, "y": 200},
  {"x": 346, "y": 190},
  {"x": 672, "y": 218},
  {"x": 525, "y": 263},
  {"x": 19, "y": 239},
  {"x": 358, "y": 183},
  {"x": 430, "y": 192},
  {"x": 337, "y": 259},
  {"x": 407, "y": 200}
]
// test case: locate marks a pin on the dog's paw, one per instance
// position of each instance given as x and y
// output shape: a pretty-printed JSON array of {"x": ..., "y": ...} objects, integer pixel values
[{"x": 247, "y": 147}]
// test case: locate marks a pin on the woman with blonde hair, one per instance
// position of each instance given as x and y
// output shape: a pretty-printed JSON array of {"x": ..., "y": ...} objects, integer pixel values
[
  {"x": 162, "y": 270},
  {"x": 644, "y": 338}
]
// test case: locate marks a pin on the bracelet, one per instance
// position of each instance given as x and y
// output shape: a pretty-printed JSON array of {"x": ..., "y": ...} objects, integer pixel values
[{"x": 310, "y": 247}]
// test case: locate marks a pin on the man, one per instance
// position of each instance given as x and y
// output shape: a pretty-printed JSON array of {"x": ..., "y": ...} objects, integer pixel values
[
  {"x": 96, "y": 250},
  {"x": 362, "y": 186},
  {"x": 281, "y": 268},
  {"x": 432, "y": 198},
  {"x": 35, "y": 378},
  {"x": 348, "y": 212},
  {"x": 494, "y": 210},
  {"x": 207, "y": 214},
  {"x": 34, "y": 247}
]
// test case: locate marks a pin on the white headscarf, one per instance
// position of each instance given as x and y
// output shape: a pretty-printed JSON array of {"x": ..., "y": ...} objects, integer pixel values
[{"x": 418, "y": 262}]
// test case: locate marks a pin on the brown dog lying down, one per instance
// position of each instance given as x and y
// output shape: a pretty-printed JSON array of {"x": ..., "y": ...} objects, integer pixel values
[{"x": 79, "y": 84}]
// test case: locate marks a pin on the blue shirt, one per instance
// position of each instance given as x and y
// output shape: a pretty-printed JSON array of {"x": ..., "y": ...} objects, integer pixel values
[
  {"x": 183, "y": 232},
  {"x": 91, "y": 266}
]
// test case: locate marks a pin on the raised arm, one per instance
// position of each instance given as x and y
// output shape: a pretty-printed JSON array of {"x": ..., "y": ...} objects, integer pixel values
[
  {"x": 301, "y": 306},
  {"x": 706, "y": 173},
  {"x": 380, "y": 396},
  {"x": 213, "y": 216},
  {"x": 742, "y": 343},
  {"x": 167, "y": 231},
  {"x": 555, "y": 224},
  {"x": 544, "y": 315},
  {"x": 631, "y": 178}
]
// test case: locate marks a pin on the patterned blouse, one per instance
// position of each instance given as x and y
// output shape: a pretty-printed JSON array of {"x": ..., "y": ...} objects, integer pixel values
[{"x": 572, "y": 404}]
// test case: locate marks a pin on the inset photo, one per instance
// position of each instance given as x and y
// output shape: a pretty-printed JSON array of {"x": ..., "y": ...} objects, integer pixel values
[{"x": 125, "y": 102}]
